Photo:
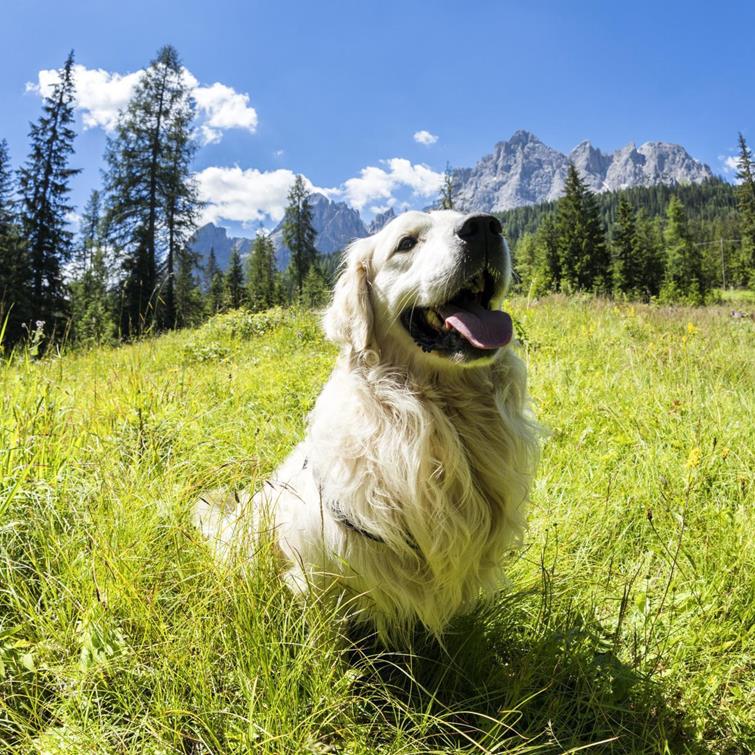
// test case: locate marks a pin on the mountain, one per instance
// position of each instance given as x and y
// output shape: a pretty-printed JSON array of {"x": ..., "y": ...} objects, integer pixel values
[
  {"x": 520, "y": 171},
  {"x": 211, "y": 236},
  {"x": 381, "y": 220},
  {"x": 524, "y": 171},
  {"x": 335, "y": 222}
]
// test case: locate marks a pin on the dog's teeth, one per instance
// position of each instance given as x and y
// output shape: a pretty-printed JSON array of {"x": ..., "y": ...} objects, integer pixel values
[{"x": 433, "y": 319}]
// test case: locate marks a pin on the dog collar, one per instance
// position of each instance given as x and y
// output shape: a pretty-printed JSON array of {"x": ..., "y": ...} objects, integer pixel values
[
  {"x": 338, "y": 516},
  {"x": 336, "y": 512}
]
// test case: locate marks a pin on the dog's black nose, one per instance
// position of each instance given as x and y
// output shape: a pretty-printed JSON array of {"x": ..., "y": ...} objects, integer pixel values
[
  {"x": 481, "y": 234},
  {"x": 478, "y": 228}
]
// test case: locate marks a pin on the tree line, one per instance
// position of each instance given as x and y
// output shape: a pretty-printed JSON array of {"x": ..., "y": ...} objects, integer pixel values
[
  {"x": 669, "y": 243},
  {"x": 130, "y": 269}
]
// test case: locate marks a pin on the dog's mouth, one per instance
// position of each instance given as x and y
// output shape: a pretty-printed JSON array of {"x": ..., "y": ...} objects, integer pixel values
[{"x": 465, "y": 325}]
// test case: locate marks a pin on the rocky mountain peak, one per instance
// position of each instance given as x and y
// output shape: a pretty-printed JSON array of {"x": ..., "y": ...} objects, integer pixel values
[{"x": 381, "y": 220}]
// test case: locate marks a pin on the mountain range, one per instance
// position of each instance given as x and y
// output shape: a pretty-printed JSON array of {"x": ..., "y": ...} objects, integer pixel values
[{"x": 519, "y": 171}]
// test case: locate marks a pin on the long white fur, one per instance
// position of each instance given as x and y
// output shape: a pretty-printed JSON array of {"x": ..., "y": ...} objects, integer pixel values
[{"x": 433, "y": 456}]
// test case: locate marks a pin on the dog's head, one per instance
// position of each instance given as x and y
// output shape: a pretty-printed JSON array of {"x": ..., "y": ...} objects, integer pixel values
[{"x": 429, "y": 287}]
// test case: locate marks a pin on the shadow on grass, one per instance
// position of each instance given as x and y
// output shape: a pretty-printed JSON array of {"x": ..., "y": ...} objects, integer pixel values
[{"x": 495, "y": 684}]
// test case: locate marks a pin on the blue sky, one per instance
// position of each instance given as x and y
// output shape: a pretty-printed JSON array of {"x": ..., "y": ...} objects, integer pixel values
[{"x": 338, "y": 90}]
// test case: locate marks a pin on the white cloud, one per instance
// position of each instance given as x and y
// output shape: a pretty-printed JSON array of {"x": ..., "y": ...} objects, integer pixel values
[
  {"x": 250, "y": 195},
  {"x": 222, "y": 108},
  {"x": 101, "y": 95},
  {"x": 730, "y": 163},
  {"x": 425, "y": 137},
  {"x": 247, "y": 195},
  {"x": 378, "y": 184}
]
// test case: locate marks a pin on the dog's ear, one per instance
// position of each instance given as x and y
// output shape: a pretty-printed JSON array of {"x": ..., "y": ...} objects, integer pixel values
[{"x": 349, "y": 318}]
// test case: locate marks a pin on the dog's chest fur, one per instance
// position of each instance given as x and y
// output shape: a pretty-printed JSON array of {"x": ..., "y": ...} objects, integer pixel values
[{"x": 436, "y": 473}]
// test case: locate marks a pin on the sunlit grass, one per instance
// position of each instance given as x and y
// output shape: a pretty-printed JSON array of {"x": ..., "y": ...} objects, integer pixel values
[{"x": 628, "y": 624}]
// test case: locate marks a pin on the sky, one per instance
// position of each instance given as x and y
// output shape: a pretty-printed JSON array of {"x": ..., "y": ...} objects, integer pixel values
[{"x": 370, "y": 100}]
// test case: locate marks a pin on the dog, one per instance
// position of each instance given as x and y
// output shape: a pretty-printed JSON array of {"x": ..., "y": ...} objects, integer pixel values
[{"x": 412, "y": 482}]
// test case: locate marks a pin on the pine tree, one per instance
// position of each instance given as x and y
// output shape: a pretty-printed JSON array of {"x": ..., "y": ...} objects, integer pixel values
[
  {"x": 316, "y": 290},
  {"x": 447, "y": 190},
  {"x": 583, "y": 255},
  {"x": 44, "y": 188},
  {"x": 215, "y": 300},
  {"x": 746, "y": 208},
  {"x": 181, "y": 206},
  {"x": 298, "y": 233},
  {"x": 261, "y": 274},
  {"x": 683, "y": 278},
  {"x": 14, "y": 270},
  {"x": 188, "y": 295},
  {"x": 91, "y": 231},
  {"x": 624, "y": 261},
  {"x": 91, "y": 303},
  {"x": 210, "y": 269},
  {"x": 647, "y": 250},
  {"x": 151, "y": 199},
  {"x": 547, "y": 271},
  {"x": 234, "y": 281}
]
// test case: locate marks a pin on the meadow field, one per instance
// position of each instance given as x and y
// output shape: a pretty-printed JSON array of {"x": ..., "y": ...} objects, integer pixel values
[{"x": 628, "y": 623}]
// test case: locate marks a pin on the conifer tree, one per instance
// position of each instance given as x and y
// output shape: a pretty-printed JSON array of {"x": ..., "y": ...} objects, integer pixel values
[
  {"x": 298, "y": 233},
  {"x": 647, "y": 249},
  {"x": 181, "y": 206},
  {"x": 150, "y": 196},
  {"x": 683, "y": 277},
  {"x": 624, "y": 261},
  {"x": 583, "y": 255},
  {"x": 234, "y": 281},
  {"x": 91, "y": 303},
  {"x": 14, "y": 269},
  {"x": 316, "y": 290},
  {"x": 210, "y": 270},
  {"x": 44, "y": 188},
  {"x": 547, "y": 271},
  {"x": 447, "y": 190},
  {"x": 746, "y": 208},
  {"x": 261, "y": 274},
  {"x": 188, "y": 295},
  {"x": 91, "y": 231},
  {"x": 215, "y": 301}
]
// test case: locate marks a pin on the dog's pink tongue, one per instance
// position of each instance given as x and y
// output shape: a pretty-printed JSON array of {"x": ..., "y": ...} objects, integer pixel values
[{"x": 482, "y": 327}]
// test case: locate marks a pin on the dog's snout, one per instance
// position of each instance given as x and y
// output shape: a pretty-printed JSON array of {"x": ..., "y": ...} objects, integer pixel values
[
  {"x": 478, "y": 227},
  {"x": 480, "y": 231}
]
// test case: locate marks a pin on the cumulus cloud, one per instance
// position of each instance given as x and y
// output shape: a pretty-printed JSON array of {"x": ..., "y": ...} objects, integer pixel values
[
  {"x": 101, "y": 95},
  {"x": 378, "y": 184},
  {"x": 251, "y": 195},
  {"x": 425, "y": 137},
  {"x": 222, "y": 107},
  {"x": 730, "y": 163},
  {"x": 247, "y": 195}
]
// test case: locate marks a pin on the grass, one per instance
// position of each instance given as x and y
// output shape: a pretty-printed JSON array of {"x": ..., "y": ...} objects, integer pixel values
[{"x": 628, "y": 624}]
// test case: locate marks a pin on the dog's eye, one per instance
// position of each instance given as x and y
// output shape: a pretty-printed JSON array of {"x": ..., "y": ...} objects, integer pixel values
[{"x": 407, "y": 243}]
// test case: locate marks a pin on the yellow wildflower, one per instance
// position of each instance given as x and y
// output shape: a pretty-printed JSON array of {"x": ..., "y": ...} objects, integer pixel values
[
  {"x": 691, "y": 328},
  {"x": 693, "y": 460},
  {"x": 724, "y": 452}
]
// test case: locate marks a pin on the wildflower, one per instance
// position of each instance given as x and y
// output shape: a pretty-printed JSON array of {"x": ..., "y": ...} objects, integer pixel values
[
  {"x": 724, "y": 452},
  {"x": 691, "y": 328},
  {"x": 693, "y": 460}
]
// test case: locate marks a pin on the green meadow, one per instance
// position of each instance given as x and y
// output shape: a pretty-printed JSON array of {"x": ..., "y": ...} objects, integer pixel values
[{"x": 627, "y": 623}]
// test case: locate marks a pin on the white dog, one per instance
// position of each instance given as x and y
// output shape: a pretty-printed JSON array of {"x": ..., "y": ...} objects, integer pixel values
[{"x": 413, "y": 478}]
